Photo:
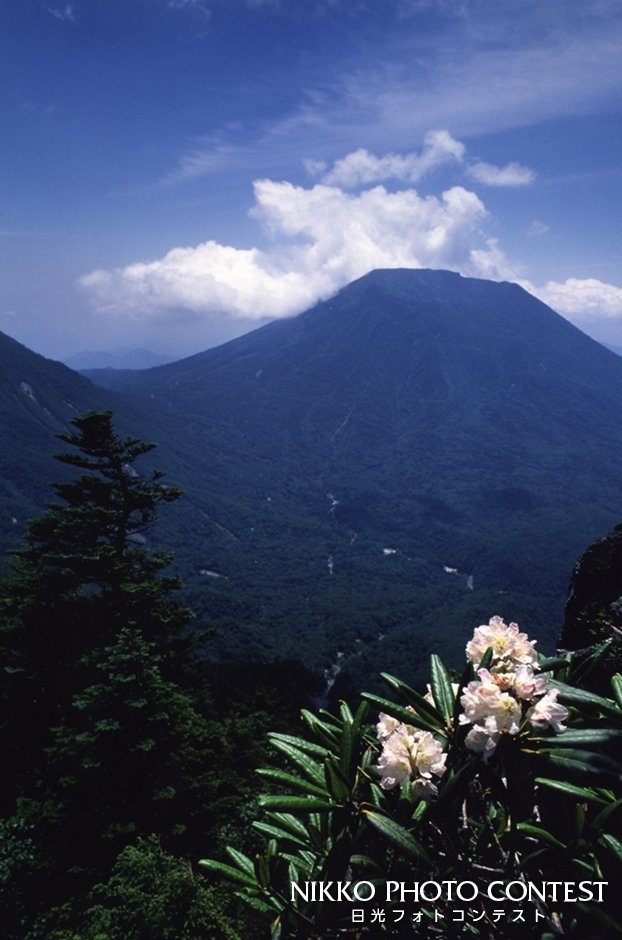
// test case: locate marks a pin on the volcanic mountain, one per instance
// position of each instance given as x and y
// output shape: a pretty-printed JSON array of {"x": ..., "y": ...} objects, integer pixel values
[{"x": 372, "y": 478}]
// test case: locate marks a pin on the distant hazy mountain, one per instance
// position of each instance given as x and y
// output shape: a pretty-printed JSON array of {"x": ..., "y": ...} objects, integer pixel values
[
  {"x": 116, "y": 359},
  {"x": 414, "y": 455}
]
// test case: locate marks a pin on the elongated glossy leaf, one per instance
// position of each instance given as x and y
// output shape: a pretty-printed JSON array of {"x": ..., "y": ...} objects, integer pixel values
[
  {"x": 587, "y": 665},
  {"x": 589, "y": 736},
  {"x": 592, "y": 759},
  {"x": 348, "y": 750},
  {"x": 537, "y": 832},
  {"x": 376, "y": 794},
  {"x": 324, "y": 731},
  {"x": 568, "y": 764},
  {"x": 360, "y": 715},
  {"x": 605, "y": 813},
  {"x": 257, "y": 904},
  {"x": 291, "y": 823},
  {"x": 262, "y": 871},
  {"x": 486, "y": 659},
  {"x": 291, "y": 780},
  {"x": 300, "y": 743},
  {"x": 614, "y": 845},
  {"x": 294, "y": 804},
  {"x": 616, "y": 685},
  {"x": 336, "y": 781},
  {"x": 298, "y": 863},
  {"x": 413, "y": 698},
  {"x": 402, "y": 714},
  {"x": 232, "y": 874},
  {"x": 278, "y": 833},
  {"x": 441, "y": 687},
  {"x": 243, "y": 862},
  {"x": 308, "y": 765},
  {"x": 346, "y": 715},
  {"x": 547, "y": 663},
  {"x": 568, "y": 693},
  {"x": 329, "y": 718},
  {"x": 396, "y": 835},
  {"x": 581, "y": 793}
]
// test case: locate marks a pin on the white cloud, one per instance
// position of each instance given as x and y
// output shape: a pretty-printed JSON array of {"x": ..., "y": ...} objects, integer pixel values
[
  {"x": 513, "y": 174},
  {"x": 363, "y": 167},
  {"x": 65, "y": 14},
  {"x": 538, "y": 228},
  {"x": 194, "y": 6},
  {"x": 321, "y": 239},
  {"x": 498, "y": 66},
  {"x": 581, "y": 300},
  {"x": 323, "y": 236}
]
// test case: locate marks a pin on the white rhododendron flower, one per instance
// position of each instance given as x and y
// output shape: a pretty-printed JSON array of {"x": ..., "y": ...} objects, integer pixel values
[
  {"x": 412, "y": 755},
  {"x": 547, "y": 712},
  {"x": 527, "y": 685},
  {"x": 386, "y": 726},
  {"x": 506, "y": 713},
  {"x": 495, "y": 703},
  {"x": 483, "y": 739},
  {"x": 509, "y": 646},
  {"x": 480, "y": 698}
]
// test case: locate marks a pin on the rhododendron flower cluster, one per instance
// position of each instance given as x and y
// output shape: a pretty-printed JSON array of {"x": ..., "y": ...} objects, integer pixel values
[
  {"x": 409, "y": 755},
  {"x": 498, "y": 700},
  {"x": 508, "y": 694}
]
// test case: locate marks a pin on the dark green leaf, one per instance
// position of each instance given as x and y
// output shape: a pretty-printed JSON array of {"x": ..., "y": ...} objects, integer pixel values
[
  {"x": 243, "y": 862},
  {"x": 396, "y": 835},
  {"x": 294, "y": 803},
  {"x": 569, "y": 693},
  {"x": 278, "y": 833},
  {"x": 307, "y": 764},
  {"x": 233, "y": 874},
  {"x": 414, "y": 719},
  {"x": 299, "y": 743},
  {"x": 281, "y": 776},
  {"x": 441, "y": 687},
  {"x": 336, "y": 782},
  {"x": 605, "y": 813},
  {"x": 589, "y": 736},
  {"x": 616, "y": 685},
  {"x": 581, "y": 793},
  {"x": 290, "y": 823},
  {"x": 413, "y": 698},
  {"x": 614, "y": 845},
  {"x": 537, "y": 832}
]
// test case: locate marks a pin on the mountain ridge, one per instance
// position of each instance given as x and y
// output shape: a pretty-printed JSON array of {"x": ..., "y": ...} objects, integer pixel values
[
  {"x": 416, "y": 412},
  {"x": 403, "y": 459}
]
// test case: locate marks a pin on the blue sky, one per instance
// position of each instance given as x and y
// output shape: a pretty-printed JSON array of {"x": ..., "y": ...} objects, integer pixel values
[{"x": 176, "y": 172}]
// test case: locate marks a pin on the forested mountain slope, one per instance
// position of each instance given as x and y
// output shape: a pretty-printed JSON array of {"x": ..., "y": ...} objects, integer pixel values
[{"x": 420, "y": 450}]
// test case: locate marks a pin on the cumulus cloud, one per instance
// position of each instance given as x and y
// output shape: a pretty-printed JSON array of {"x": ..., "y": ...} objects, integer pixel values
[
  {"x": 318, "y": 238},
  {"x": 581, "y": 300},
  {"x": 362, "y": 167},
  {"x": 321, "y": 238},
  {"x": 513, "y": 174}
]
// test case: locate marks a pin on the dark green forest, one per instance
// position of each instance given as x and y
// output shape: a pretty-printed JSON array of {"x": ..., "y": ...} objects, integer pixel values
[
  {"x": 126, "y": 753},
  {"x": 130, "y": 753}
]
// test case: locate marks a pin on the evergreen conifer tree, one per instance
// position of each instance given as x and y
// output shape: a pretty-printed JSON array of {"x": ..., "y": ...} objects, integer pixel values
[
  {"x": 83, "y": 575},
  {"x": 100, "y": 742}
]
